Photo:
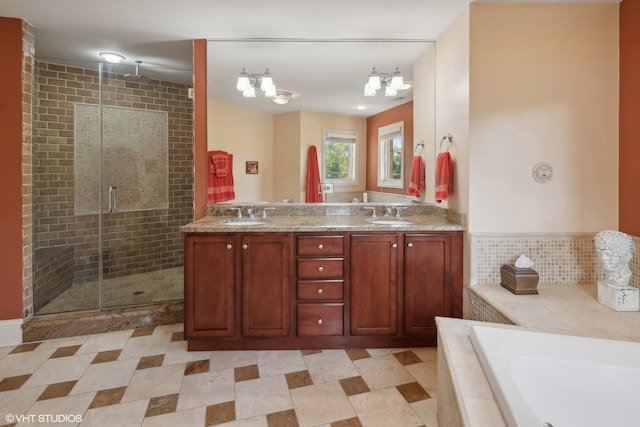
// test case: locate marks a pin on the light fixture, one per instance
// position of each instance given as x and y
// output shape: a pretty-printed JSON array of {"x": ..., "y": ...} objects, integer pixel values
[
  {"x": 247, "y": 84},
  {"x": 281, "y": 97},
  {"x": 114, "y": 58},
  {"x": 391, "y": 82}
]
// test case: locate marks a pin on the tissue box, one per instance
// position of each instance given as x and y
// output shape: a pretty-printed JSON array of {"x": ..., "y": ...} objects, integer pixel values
[{"x": 520, "y": 281}]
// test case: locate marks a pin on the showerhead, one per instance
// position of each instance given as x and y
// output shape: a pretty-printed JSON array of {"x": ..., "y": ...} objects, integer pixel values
[{"x": 137, "y": 78}]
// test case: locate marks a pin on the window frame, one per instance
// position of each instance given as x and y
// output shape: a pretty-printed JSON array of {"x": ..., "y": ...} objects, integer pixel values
[{"x": 352, "y": 179}]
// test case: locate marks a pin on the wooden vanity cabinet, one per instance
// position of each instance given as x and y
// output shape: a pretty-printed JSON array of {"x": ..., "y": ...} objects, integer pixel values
[{"x": 319, "y": 290}]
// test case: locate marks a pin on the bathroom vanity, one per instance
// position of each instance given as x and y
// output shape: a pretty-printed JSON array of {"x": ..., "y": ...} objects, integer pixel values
[{"x": 311, "y": 282}]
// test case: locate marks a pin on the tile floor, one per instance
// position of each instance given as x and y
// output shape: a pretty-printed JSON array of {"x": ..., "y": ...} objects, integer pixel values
[{"x": 145, "y": 377}]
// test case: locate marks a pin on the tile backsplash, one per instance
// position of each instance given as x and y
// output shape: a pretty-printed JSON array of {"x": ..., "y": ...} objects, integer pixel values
[{"x": 559, "y": 259}]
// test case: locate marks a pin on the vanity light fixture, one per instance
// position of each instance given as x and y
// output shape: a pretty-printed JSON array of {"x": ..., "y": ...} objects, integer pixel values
[
  {"x": 113, "y": 58},
  {"x": 281, "y": 97},
  {"x": 247, "y": 84},
  {"x": 391, "y": 82}
]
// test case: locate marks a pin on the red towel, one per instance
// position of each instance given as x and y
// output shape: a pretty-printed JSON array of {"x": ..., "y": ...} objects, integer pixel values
[
  {"x": 444, "y": 177},
  {"x": 416, "y": 184},
  {"x": 220, "y": 177},
  {"x": 314, "y": 192}
]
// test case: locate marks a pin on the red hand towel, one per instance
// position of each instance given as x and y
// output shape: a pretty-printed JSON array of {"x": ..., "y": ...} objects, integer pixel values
[
  {"x": 314, "y": 193},
  {"x": 416, "y": 183},
  {"x": 220, "y": 187},
  {"x": 444, "y": 177}
]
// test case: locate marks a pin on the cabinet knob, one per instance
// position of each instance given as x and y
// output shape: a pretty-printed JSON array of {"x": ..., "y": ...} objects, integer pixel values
[
  {"x": 320, "y": 268},
  {"x": 320, "y": 246},
  {"x": 319, "y": 321},
  {"x": 229, "y": 246},
  {"x": 245, "y": 246},
  {"x": 410, "y": 245},
  {"x": 395, "y": 245},
  {"x": 319, "y": 291}
]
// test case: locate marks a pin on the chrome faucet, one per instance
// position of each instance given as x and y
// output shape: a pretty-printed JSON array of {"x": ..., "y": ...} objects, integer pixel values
[
  {"x": 264, "y": 212},
  {"x": 387, "y": 211},
  {"x": 250, "y": 213},
  {"x": 399, "y": 210},
  {"x": 373, "y": 210}
]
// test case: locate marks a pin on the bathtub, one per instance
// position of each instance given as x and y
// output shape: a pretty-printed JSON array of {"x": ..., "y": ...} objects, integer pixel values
[{"x": 543, "y": 380}]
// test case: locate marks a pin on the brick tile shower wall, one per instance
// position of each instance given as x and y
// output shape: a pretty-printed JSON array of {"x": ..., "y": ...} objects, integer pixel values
[{"x": 134, "y": 242}]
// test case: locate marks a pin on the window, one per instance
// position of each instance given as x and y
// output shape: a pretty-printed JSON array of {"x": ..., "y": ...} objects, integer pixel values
[
  {"x": 391, "y": 155},
  {"x": 339, "y": 158}
]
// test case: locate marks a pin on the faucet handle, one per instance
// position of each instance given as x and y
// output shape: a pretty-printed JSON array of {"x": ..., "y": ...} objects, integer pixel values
[
  {"x": 239, "y": 215},
  {"x": 387, "y": 210},
  {"x": 264, "y": 212},
  {"x": 373, "y": 210},
  {"x": 250, "y": 212},
  {"x": 399, "y": 210}
]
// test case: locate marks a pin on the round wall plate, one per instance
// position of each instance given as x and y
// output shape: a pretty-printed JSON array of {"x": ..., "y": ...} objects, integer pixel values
[{"x": 542, "y": 172}]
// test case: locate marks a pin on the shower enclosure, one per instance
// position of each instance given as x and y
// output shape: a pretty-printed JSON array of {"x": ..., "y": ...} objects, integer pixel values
[{"x": 112, "y": 184}]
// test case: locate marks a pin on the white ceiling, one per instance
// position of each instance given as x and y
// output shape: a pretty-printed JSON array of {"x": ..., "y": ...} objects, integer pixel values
[{"x": 159, "y": 33}]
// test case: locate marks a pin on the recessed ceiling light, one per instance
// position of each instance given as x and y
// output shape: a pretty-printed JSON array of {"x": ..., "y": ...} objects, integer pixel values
[
  {"x": 114, "y": 58},
  {"x": 361, "y": 107}
]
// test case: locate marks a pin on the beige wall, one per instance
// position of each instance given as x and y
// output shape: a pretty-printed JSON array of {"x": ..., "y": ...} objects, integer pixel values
[
  {"x": 248, "y": 135},
  {"x": 287, "y": 156},
  {"x": 543, "y": 87}
]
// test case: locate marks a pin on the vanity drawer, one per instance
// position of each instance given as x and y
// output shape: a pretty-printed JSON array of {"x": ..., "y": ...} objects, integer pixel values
[
  {"x": 321, "y": 268},
  {"x": 320, "y": 245},
  {"x": 320, "y": 319},
  {"x": 328, "y": 289}
]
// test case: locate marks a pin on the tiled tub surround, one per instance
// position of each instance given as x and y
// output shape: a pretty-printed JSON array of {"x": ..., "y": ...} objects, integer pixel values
[{"x": 135, "y": 241}]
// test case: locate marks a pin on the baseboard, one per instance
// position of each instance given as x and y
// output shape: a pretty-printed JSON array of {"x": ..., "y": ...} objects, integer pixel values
[{"x": 10, "y": 332}]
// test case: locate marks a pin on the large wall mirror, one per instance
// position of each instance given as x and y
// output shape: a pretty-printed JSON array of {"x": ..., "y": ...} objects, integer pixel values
[{"x": 319, "y": 86}]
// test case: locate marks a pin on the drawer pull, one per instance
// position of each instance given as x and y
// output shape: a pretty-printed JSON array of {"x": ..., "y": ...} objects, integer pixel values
[
  {"x": 319, "y": 321},
  {"x": 229, "y": 246},
  {"x": 320, "y": 269},
  {"x": 245, "y": 246},
  {"x": 319, "y": 291},
  {"x": 320, "y": 246},
  {"x": 410, "y": 245},
  {"x": 395, "y": 245}
]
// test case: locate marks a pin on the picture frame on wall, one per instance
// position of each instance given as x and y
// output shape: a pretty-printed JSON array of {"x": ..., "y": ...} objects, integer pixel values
[{"x": 251, "y": 167}]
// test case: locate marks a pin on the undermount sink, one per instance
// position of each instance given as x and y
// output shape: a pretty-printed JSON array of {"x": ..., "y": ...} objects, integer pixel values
[
  {"x": 392, "y": 222},
  {"x": 243, "y": 222}
]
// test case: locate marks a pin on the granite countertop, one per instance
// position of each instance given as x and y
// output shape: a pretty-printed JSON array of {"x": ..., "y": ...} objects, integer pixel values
[{"x": 216, "y": 224}]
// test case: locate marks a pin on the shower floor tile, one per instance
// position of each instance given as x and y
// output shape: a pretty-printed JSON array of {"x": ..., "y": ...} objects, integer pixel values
[
  {"x": 146, "y": 377},
  {"x": 135, "y": 289}
]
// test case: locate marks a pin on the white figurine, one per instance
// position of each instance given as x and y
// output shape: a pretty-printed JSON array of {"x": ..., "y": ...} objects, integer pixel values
[{"x": 615, "y": 249}]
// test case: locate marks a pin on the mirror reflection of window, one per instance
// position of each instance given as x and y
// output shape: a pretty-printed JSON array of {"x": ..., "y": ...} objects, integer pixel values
[
  {"x": 339, "y": 157},
  {"x": 391, "y": 155}
]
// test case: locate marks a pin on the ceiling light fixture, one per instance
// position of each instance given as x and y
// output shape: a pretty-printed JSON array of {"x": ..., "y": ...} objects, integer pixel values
[
  {"x": 281, "y": 97},
  {"x": 114, "y": 58},
  {"x": 247, "y": 84},
  {"x": 391, "y": 82}
]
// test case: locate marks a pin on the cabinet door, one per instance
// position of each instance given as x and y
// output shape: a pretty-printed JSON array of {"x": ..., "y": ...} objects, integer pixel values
[
  {"x": 427, "y": 281},
  {"x": 266, "y": 274},
  {"x": 373, "y": 281},
  {"x": 209, "y": 261}
]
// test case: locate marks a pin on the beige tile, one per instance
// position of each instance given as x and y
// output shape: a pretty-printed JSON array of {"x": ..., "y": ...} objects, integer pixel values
[
  {"x": 321, "y": 403},
  {"x": 330, "y": 365},
  {"x": 262, "y": 396},
  {"x": 427, "y": 410},
  {"x": 24, "y": 363},
  {"x": 125, "y": 414},
  {"x": 189, "y": 417},
  {"x": 72, "y": 405},
  {"x": 106, "y": 375},
  {"x": 232, "y": 359},
  {"x": 206, "y": 389},
  {"x": 383, "y": 371},
  {"x": 177, "y": 353},
  {"x": 384, "y": 407},
  {"x": 152, "y": 382},
  {"x": 279, "y": 362},
  {"x": 60, "y": 370},
  {"x": 105, "y": 342},
  {"x": 426, "y": 373},
  {"x": 426, "y": 353},
  {"x": 18, "y": 401},
  {"x": 147, "y": 345}
]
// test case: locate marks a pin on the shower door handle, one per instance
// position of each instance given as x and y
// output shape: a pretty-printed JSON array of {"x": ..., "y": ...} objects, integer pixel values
[{"x": 113, "y": 198}]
